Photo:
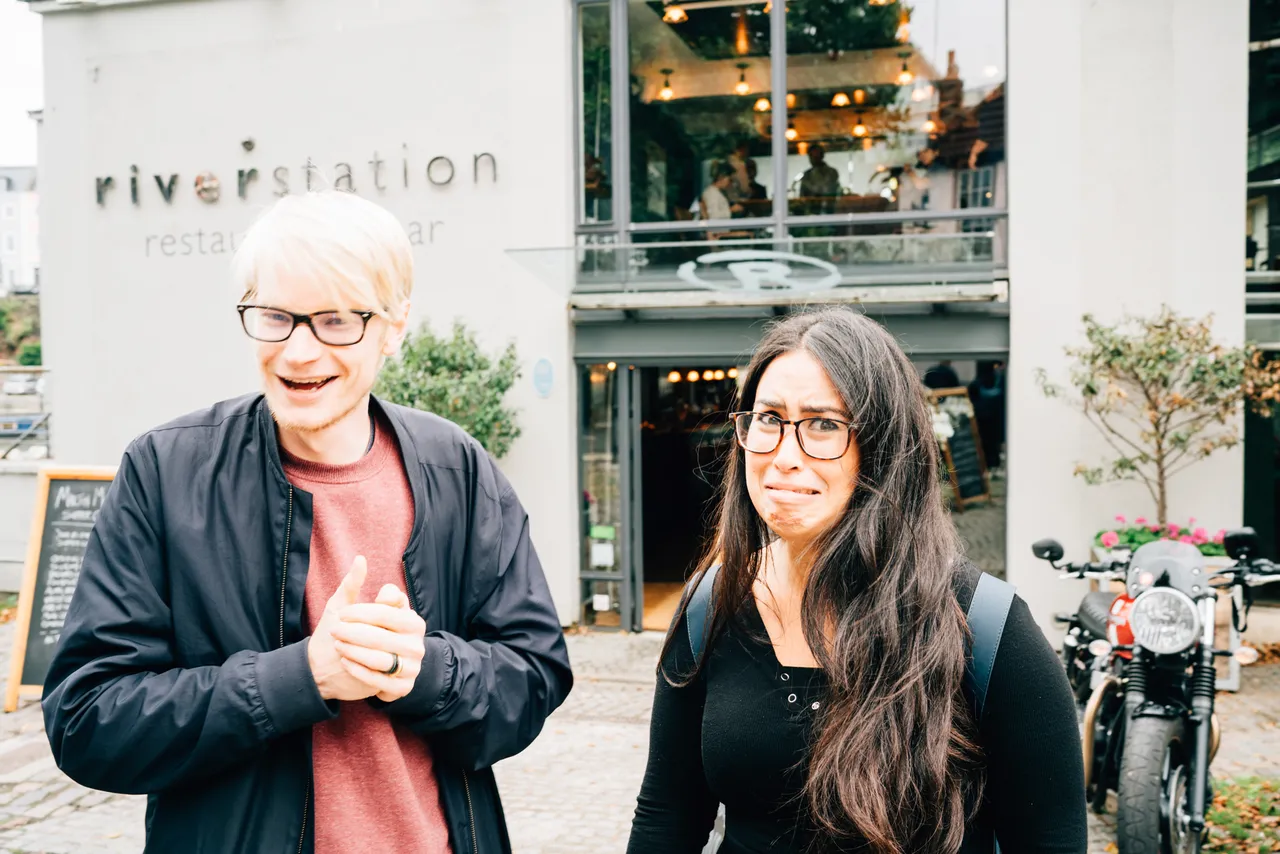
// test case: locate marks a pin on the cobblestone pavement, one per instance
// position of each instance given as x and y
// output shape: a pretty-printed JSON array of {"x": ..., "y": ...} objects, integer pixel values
[{"x": 572, "y": 792}]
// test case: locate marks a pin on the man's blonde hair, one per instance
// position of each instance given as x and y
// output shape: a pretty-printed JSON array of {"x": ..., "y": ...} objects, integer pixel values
[{"x": 348, "y": 245}]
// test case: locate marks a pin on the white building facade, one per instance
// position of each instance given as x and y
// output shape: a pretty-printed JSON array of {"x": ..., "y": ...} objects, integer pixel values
[{"x": 551, "y": 160}]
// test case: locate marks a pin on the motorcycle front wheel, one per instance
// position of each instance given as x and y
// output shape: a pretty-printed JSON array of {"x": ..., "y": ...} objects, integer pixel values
[{"x": 1154, "y": 775}]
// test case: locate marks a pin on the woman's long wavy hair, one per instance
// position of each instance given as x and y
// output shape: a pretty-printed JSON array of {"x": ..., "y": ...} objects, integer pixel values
[{"x": 894, "y": 760}]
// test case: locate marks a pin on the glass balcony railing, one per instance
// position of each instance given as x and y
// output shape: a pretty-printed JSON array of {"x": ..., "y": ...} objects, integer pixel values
[{"x": 746, "y": 262}]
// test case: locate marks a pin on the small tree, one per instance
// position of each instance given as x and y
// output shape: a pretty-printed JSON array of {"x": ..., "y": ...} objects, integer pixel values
[
  {"x": 455, "y": 379},
  {"x": 1163, "y": 395}
]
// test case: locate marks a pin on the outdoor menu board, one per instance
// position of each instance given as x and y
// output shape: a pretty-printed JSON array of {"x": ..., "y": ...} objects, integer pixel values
[
  {"x": 962, "y": 450},
  {"x": 66, "y": 505}
]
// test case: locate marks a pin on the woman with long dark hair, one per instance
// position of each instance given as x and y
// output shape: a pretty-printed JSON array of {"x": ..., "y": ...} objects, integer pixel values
[{"x": 827, "y": 710}]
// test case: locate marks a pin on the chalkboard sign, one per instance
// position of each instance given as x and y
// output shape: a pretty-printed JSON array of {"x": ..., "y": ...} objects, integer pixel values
[
  {"x": 962, "y": 449},
  {"x": 67, "y": 504},
  {"x": 967, "y": 467}
]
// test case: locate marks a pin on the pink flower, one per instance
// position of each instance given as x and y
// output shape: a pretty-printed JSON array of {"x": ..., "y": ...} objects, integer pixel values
[
  {"x": 1174, "y": 529},
  {"x": 1201, "y": 533},
  {"x": 1155, "y": 529},
  {"x": 1220, "y": 536},
  {"x": 1109, "y": 539},
  {"x": 1191, "y": 521},
  {"x": 1185, "y": 539},
  {"x": 1141, "y": 520},
  {"x": 1120, "y": 519}
]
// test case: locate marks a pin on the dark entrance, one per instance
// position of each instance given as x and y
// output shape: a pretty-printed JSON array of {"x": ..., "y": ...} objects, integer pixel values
[{"x": 685, "y": 439}]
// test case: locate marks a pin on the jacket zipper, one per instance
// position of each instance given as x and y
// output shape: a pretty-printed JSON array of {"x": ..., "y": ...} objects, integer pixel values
[
  {"x": 466, "y": 785},
  {"x": 284, "y": 584},
  {"x": 475, "y": 845}
]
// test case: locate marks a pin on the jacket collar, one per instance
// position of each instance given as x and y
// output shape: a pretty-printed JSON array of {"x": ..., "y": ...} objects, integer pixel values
[{"x": 408, "y": 454}]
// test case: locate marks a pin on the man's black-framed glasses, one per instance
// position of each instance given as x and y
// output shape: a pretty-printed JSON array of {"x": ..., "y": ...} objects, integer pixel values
[
  {"x": 819, "y": 438},
  {"x": 273, "y": 325}
]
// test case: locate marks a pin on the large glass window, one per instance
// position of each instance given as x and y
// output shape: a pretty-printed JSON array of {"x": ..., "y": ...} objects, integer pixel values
[
  {"x": 1262, "y": 213},
  {"x": 595, "y": 117},
  {"x": 890, "y": 109},
  {"x": 894, "y": 108},
  {"x": 700, "y": 111}
]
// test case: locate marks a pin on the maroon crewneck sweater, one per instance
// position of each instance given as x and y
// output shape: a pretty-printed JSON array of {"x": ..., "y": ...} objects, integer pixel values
[{"x": 375, "y": 789}]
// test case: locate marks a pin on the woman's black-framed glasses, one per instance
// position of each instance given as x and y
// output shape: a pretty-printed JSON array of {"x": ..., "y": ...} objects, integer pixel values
[
  {"x": 819, "y": 438},
  {"x": 273, "y": 325}
]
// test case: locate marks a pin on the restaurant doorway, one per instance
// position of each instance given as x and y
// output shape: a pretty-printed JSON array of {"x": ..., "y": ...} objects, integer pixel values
[
  {"x": 653, "y": 443},
  {"x": 685, "y": 440}
]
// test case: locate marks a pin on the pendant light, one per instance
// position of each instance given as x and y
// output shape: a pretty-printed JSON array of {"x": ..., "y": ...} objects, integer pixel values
[
  {"x": 879, "y": 2},
  {"x": 674, "y": 15},
  {"x": 792, "y": 133},
  {"x": 905, "y": 77},
  {"x": 791, "y": 100},
  {"x": 665, "y": 92},
  {"x": 859, "y": 96},
  {"x": 742, "y": 87},
  {"x": 763, "y": 105},
  {"x": 840, "y": 99},
  {"x": 859, "y": 129},
  {"x": 929, "y": 126}
]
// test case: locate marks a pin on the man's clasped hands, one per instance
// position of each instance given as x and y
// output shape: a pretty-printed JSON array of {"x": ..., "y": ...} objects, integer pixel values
[{"x": 366, "y": 649}]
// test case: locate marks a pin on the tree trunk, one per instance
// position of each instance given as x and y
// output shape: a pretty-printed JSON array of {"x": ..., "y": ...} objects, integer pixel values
[{"x": 1162, "y": 492}]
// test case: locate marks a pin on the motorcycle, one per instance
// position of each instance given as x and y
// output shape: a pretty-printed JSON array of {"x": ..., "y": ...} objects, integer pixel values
[{"x": 1142, "y": 664}]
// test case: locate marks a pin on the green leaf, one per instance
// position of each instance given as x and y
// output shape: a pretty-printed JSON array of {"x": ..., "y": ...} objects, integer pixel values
[{"x": 456, "y": 379}]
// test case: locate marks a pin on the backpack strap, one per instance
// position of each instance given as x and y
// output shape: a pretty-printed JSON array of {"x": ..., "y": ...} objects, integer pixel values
[
  {"x": 699, "y": 611},
  {"x": 988, "y": 612}
]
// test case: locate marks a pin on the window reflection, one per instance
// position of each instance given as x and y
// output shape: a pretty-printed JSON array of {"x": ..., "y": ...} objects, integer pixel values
[
  {"x": 1262, "y": 211},
  {"x": 700, "y": 113},
  {"x": 595, "y": 116},
  {"x": 879, "y": 121}
]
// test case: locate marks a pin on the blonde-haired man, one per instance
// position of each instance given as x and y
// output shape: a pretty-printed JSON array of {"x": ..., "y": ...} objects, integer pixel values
[{"x": 308, "y": 620}]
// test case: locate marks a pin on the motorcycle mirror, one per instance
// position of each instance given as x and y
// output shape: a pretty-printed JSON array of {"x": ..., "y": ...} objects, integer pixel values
[
  {"x": 1241, "y": 543},
  {"x": 1047, "y": 549}
]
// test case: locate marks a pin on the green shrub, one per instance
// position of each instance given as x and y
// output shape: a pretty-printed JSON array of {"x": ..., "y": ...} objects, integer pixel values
[{"x": 455, "y": 379}]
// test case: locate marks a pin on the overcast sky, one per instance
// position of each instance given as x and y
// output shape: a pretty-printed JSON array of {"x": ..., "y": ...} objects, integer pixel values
[{"x": 20, "y": 82}]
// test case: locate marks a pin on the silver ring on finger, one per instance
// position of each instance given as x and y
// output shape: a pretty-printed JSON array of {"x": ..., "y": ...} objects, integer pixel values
[{"x": 395, "y": 665}]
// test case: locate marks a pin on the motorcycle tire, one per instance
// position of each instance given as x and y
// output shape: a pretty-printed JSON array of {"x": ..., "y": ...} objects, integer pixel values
[{"x": 1141, "y": 821}]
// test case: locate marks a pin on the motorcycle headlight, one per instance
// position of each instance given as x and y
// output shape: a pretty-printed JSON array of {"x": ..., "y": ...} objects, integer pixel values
[{"x": 1164, "y": 621}]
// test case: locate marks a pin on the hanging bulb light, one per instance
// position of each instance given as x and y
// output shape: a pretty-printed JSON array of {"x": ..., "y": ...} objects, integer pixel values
[
  {"x": 840, "y": 99},
  {"x": 692, "y": 377},
  {"x": 732, "y": 373},
  {"x": 708, "y": 375},
  {"x": 763, "y": 105},
  {"x": 674, "y": 377},
  {"x": 859, "y": 129},
  {"x": 719, "y": 375},
  {"x": 866, "y": 143},
  {"x": 665, "y": 92},
  {"x": 674, "y": 15},
  {"x": 859, "y": 96},
  {"x": 742, "y": 87},
  {"x": 791, "y": 100},
  {"x": 905, "y": 77},
  {"x": 792, "y": 133},
  {"x": 929, "y": 126},
  {"x": 904, "y": 27},
  {"x": 879, "y": 2}
]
